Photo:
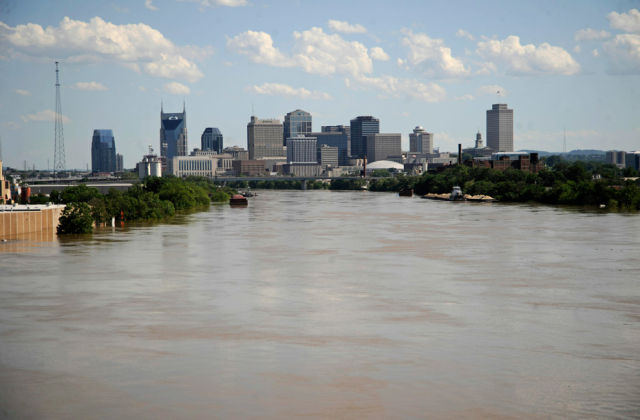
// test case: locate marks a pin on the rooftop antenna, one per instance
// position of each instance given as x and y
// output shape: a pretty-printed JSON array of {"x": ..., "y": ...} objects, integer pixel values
[
  {"x": 0, "y": 148},
  {"x": 58, "y": 154},
  {"x": 253, "y": 112},
  {"x": 564, "y": 141}
]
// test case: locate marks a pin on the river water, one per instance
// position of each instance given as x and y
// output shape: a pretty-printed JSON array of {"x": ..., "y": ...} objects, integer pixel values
[{"x": 328, "y": 304}]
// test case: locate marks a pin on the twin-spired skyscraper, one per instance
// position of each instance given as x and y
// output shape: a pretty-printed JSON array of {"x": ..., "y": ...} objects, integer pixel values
[
  {"x": 173, "y": 136},
  {"x": 500, "y": 128}
]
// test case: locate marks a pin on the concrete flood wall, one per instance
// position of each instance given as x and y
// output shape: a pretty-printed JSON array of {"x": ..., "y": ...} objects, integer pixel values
[{"x": 33, "y": 222}]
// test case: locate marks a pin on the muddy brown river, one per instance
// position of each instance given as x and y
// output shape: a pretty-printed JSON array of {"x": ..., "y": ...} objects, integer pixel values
[{"x": 320, "y": 304}]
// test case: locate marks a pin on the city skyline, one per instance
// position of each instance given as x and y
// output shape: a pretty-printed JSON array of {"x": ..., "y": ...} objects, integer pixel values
[{"x": 572, "y": 67}]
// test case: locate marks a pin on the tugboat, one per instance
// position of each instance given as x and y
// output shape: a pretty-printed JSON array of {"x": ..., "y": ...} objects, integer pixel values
[
  {"x": 237, "y": 200},
  {"x": 456, "y": 194},
  {"x": 248, "y": 193}
]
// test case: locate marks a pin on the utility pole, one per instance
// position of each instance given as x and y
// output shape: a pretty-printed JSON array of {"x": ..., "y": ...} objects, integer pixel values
[{"x": 59, "y": 163}]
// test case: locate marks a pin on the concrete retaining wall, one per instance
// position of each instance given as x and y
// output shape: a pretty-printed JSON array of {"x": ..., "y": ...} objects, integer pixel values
[{"x": 18, "y": 222}]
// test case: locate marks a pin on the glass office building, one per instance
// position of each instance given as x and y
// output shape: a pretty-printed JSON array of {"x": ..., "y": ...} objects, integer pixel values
[
  {"x": 103, "y": 151},
  {"x": 360, "y": 128},
  {"x": 173, "y": 136},
  {"x": 296, "y": 123},
  {"x": 211, "y": 140}
]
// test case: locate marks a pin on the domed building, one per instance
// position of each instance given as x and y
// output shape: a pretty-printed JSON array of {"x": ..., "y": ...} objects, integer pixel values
[{"x": 386, "y": 165}]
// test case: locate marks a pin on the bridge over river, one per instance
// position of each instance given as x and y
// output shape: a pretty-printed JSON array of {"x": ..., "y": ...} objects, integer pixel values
[{"x": 40, "y": 187}]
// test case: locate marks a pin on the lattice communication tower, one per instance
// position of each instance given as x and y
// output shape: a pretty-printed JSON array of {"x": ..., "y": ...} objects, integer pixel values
[{"x": 58, "y": 153}]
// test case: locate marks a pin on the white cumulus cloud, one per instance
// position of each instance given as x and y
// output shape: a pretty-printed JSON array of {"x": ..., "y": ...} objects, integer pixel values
[
  {"x": 46, "y": 115},
  {"x": 377, "y": 53},
  {"x": 321, "y": 53},
  {"x": 346, "y": 27},
  {"x": 137, "y": 46},
  {"x": 528, "y": 59},
  {"x": 258, "y": 46},
  {"x": 589, "y": 34},
  {"x": 398, "y": 87},
  {"x": 314, "y": 51},
  {"x": 23, "y": 92},
  {"x": 431, "y": 57},
  {"x": 149, "y": 5},
  {"x": 176, "y": 88},
  {"x": 89, "y": 86},
  {"x": 461, "y": 33},
  {"x": 628, "y": 22},
  {"x": 623, "y": 54},
  {"x": 281, "y": 89}
]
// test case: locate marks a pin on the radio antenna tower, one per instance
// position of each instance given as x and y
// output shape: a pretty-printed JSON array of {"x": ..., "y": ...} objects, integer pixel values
[
  {"x": 58, "y": 153},
  {"x": 564, "y": 141}
]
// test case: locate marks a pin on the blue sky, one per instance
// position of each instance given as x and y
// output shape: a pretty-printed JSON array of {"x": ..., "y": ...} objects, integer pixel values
[{"x": 569, "y": 66}]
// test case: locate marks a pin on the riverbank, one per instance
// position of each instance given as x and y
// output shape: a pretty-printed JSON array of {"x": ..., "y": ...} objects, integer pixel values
[
  {"x": 154, "y": 199},
  {"x": 575, "y": 184}
]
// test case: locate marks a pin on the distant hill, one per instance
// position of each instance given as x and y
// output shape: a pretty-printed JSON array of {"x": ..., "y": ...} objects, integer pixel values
[{"x": 587, "y": 152}]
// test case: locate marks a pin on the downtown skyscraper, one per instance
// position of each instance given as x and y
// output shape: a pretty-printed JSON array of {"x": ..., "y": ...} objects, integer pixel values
[
  {"x": 500, "y": 128},
  {"x": 264, "y": 138},
  {"x": 360, "y": 128},
  {"x": 296, "y": 123},
  {"x": 173, "y": 136},
  {"x": 103, "y": 151}
]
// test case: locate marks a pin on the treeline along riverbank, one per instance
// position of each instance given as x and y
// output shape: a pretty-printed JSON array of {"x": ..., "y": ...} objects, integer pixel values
[
  {"x": 154, "y": 199},
  {"x": 576, "y": 183}
]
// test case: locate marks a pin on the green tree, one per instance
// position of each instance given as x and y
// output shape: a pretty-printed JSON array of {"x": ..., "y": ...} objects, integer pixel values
[
  {"x": 78, "y": 194},
  {"x": 75, "y": 218}
]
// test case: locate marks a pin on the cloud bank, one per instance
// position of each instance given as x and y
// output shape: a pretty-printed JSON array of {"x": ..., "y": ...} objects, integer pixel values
[{"x": 137, "y": 46}]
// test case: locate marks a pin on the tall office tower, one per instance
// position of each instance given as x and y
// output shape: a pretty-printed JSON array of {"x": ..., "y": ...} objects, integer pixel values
[
  {"x": 479, "y": 143},
  {"x": 119, "y": 162},
  {"x": 381, "y": 146},
  {"x": 500, "y": 128},
  {"x": 296, "y": 123},
  {"x": 211, "y": 140},
  {"x": 360, "y": 128},
  {"x": 334, "y": 136},
  {"x": 264, "y": 138},
  {"x": 103, "y": 151},
  {"x": 328, "y": 156},
  {"x": 173, "y": 137},
  {"x": 420, "y": 141},
  {"x": 302, "y": 150}
]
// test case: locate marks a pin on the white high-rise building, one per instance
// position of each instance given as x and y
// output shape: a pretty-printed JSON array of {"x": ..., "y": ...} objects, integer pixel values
[
  {"x": 264, "y": 138},
  {"x": 500, "y": 128},
  {"x": 420, "y": 141}
]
